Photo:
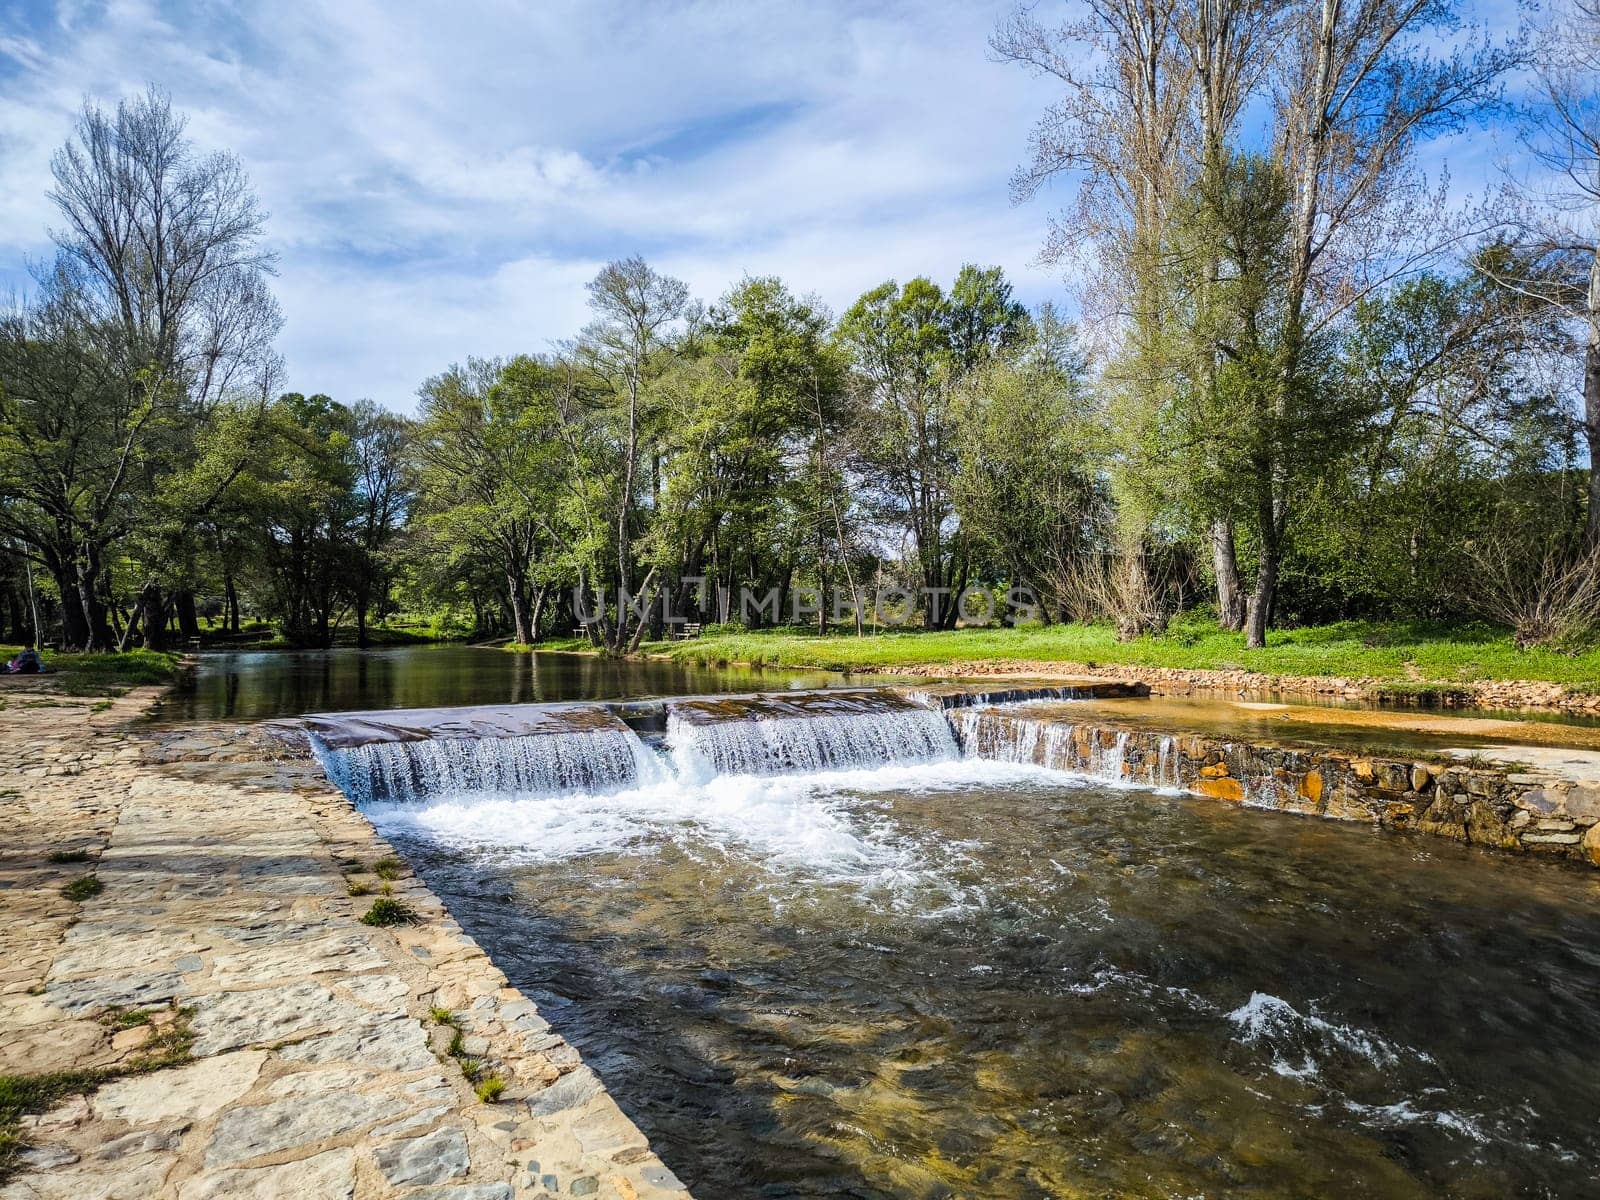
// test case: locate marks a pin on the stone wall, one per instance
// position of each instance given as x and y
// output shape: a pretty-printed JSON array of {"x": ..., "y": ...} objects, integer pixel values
[{"x": 1532, "y": 812}]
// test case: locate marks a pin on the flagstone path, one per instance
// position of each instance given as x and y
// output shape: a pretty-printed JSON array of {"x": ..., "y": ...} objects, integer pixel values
[{"x": 316, "y": 1061}]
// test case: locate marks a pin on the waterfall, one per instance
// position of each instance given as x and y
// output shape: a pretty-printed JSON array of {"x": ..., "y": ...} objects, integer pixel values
[
  {"x": 1167, "y": 775},
  {"x": 593, "y": 760},
  {"x": 767, "y": 742},
  {"x": 1082, "y": 750}
]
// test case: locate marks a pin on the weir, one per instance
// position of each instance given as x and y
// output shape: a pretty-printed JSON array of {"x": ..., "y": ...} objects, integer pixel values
[
  {"x": 820, "y": 731},
  {"x": 415, "y": 754},
  {"x": 412, "y": 755},
  {"x": 548, "y": 750}
]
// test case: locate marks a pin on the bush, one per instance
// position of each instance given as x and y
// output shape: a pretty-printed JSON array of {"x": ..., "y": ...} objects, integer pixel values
[{"x": 1548, "y": 595}]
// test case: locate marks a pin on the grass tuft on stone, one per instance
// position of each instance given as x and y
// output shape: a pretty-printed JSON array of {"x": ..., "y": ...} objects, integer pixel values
[
  {"x": 490, "y": 1089},
  {"x": 441, "y": 1016},
  {"x": 386, "y": 911},
  {"x": 170, "y": 1045},
  {"x": 25, "y": 1095},
  {"x": 82, "y": 888},
  {"x": 471, "y": 1068},
  {"x": 388, "y": 868},
  {"x": 118, "y": 1017},
  {"x": 357, "y": 887},
  {"x": 75, "y": 855}
]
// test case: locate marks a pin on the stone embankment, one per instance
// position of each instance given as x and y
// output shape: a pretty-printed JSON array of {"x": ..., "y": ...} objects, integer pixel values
[
  {"x": 1180, "y": 681},
  {"x": 185, "y": 979},
  {"x": 1509, "y": 806}
]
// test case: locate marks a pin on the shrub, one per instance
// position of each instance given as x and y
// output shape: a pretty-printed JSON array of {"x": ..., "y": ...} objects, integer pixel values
[{"x": 1548, "y": 595}]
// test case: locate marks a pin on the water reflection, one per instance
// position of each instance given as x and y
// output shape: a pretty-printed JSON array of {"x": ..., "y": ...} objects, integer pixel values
[{"x": 256, "y": 685}]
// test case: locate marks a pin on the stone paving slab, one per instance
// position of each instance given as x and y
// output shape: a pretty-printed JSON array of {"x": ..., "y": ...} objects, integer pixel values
[{"x": 316, "y": 1068}]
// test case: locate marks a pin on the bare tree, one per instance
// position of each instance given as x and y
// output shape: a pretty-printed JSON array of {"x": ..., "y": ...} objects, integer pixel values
[
  {"x": 1153, "y": 92},
  {"x": 1555, "y": 216}
]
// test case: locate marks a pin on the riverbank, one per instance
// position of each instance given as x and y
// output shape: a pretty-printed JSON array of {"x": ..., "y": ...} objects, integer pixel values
[
  {"x": 218, "y": 980},
  {"x": 1388, "y": 662}
]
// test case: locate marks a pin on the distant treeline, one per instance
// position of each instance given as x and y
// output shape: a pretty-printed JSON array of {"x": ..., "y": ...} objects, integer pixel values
[{"x": 1302, "y": 388}]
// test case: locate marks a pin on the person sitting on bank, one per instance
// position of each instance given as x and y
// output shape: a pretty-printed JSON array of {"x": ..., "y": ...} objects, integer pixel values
[{"x": 27, "y": 662}]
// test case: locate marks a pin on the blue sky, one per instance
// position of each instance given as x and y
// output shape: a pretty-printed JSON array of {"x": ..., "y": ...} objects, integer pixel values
[{"x": 442, "y": 179}]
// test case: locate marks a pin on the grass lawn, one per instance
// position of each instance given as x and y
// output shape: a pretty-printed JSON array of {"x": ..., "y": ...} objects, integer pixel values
[
  {"x": 1407, "y": 653},
  {"x": 101, "y": 674}
]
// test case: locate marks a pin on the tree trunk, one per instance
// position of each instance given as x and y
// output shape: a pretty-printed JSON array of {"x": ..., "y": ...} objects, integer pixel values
[
  {"x": 231, "y": 604},
  {"x": 517, "y": 597},
  {"x": 188, "y": 619},
  {"x": 541, "y": 595},
  {"x": 154, "y": 617},
  {"x": 1260, "y": 612},
  {"x": 74, "y": 626},
  {"x": 1230, "y": 589},
  {"x": 1591, "y": 431}
]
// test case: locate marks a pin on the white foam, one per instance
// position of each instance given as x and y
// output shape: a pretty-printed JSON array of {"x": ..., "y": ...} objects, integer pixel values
[
  {"x": 1274, "y": 1021},
  {"x": 809, "y": 821}
]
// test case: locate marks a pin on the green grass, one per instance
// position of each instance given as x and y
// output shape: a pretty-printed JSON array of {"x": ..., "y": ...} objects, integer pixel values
[
  {"x": 76, "y": 855},
  {"x": 83, "y": 888},
  {"x": 1404, "y": 652},
  {"x": 102, "y": 674},
  {"x": 387, "y": 911},
  {"x": 490, "y": 1089},
  {"x": 24, "y": 1095},
  {"x": 388, "y": 868}
]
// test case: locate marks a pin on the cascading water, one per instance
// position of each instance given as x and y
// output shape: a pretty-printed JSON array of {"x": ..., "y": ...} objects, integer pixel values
[
  {"x": 805, "y": 742},
  {"x": 998, "y": 736},
  {"x": 538, "y": 764},
  {"x": 1167, "y": 772}
]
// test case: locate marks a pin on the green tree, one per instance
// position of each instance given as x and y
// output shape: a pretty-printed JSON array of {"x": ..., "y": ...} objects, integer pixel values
[{"x": 909, "y": 348}]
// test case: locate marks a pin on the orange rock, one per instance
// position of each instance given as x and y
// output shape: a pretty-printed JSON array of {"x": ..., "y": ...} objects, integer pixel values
[
  {"x": 1591, "y": 844},
  {"x": 1221, "y": 789},
  {"x": 1214, "y": 771},
  {"x": 1311, "y": 786}
]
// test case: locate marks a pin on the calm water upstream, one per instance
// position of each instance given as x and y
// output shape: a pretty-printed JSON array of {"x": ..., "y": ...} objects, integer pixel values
[
  {"x": 255, "y": 685},
  {"x": 960, "y": 978}
]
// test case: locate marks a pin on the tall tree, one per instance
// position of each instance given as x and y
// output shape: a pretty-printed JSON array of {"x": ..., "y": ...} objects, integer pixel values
[
  {"x": 1119, "y": 131},
  {"x": 1358, "y": 87},
  {"x": 1556, "y": 223},
  {"x": 384, "y": 486},
  {"x": 157, "y": 311},
  {"x": 625, "y": 347}
]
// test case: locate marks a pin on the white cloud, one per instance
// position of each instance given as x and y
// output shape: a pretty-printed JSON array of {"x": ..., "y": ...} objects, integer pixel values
[{"x": 443, "y": 179}]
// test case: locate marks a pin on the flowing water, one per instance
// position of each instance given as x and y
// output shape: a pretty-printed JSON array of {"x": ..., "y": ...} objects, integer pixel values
[{"x": 810, "y": 966}]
